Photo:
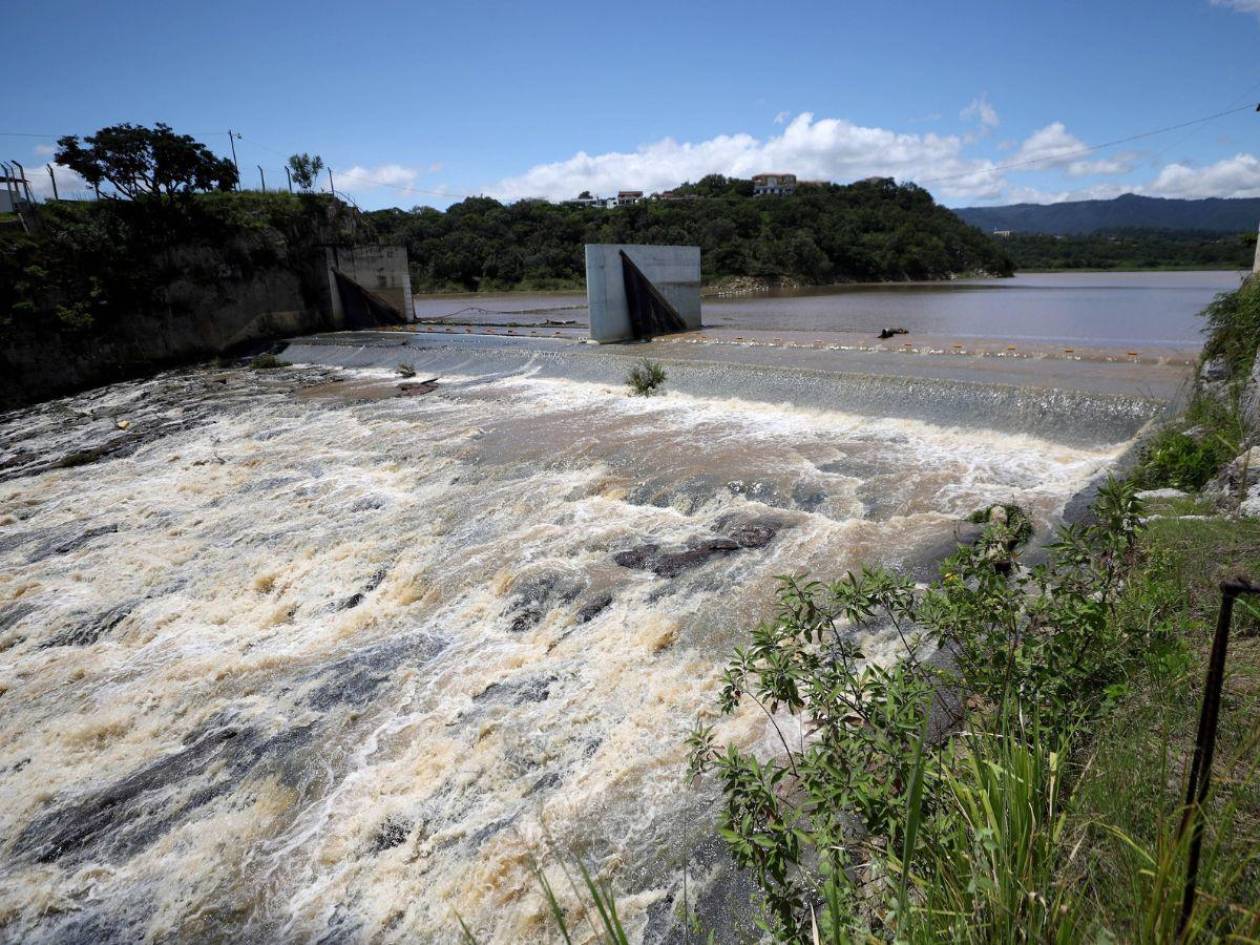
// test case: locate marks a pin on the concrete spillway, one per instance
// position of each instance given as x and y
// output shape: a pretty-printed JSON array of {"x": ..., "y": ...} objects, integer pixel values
[{"x": 307, "y": 656}]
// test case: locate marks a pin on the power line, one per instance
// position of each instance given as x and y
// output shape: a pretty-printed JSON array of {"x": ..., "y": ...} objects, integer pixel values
[{"x": 1064, "y": 155}]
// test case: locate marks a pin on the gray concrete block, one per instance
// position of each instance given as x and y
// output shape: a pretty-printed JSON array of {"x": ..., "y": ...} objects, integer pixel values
[{"x": 674, "y": 270}]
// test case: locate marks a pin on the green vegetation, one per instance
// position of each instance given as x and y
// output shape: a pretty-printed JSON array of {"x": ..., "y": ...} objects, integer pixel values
[
  {"x": 145, "y": 162},
  {"x": 266, "y": 362},
  {"x": 869, "y": 231},
  {"x": 1213, "y": 429},
  {"x": 646, "y": 378},
  {"x": 91, "y": 267},
  {"x": 305, "y": 170},
  {"x": 1131, "y": 249}
]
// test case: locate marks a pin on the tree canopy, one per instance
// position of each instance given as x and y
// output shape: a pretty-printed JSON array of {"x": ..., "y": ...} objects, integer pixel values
[
  {"x": 305, "y": 170},
  {"x": 872, "y": 230},
  {"x": 138, "y": 161}
]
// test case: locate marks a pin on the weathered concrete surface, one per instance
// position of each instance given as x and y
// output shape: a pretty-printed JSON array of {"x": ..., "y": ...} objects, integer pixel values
[
  {"x": 1069, "y": 401},
  {"x": 674, "y": 270},
  {"x": 381, "y": 270}
]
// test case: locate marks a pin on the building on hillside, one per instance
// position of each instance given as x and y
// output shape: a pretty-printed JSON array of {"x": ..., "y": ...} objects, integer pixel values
[
  {"x": 586, "y": 201},
  {"x": 1002, "y": 234},
  {"x": 774, "y": 185},
  {"x": 627, "y": 197}
]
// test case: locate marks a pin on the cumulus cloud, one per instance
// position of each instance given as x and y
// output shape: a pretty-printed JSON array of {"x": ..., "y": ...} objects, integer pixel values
[
  {"x": 45, "y": 150},
  {"x": 1055, "y": 147},
  {"x": 813, "y": 149},
  {"x": 1242, "y": 6},
  {"x": 69, "y": 184},
  {"x": 782, "y": 117},
  {"x": 1238, "y": 176},
  {"x": 369, "y": 178},
  {"x": 982, "y": 111}
]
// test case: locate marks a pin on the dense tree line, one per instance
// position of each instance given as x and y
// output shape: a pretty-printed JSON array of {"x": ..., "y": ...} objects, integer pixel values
[
  {"x": 1131, "y": 249},
  {"x": 873, "y": 230}
]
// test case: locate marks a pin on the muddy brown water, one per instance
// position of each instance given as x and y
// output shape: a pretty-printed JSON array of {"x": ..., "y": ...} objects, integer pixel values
[{"x": 313, "y": 662}]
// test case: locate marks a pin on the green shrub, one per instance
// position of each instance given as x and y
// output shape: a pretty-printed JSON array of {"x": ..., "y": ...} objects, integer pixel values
[
  {"x": 646, "y": 378},
  {"x": 847, "y": 828},
  {"x": 266, "y": 362}
]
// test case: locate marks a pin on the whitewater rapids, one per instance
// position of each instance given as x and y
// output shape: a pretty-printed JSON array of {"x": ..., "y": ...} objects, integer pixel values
[{"x": 287, "y": 657}]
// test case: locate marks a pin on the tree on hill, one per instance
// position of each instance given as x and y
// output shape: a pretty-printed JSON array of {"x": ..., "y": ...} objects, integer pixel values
[
  {"x": 145, "y": 162},
  {"x": 305, "y": 170},
  {"x": 873, "y": 230}
]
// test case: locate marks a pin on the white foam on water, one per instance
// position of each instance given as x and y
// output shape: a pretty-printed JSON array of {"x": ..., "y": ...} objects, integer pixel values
[{"x": 482, "y": 724}]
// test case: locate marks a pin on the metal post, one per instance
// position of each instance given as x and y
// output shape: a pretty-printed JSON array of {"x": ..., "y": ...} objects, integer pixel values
[
  {"x": 53, "y": 177},
  {"x": 26, "y": 185},
  {"x": 232, "y": 142},
  {"x": 331, "y": 189},
  {"x": 262, "y": 177},
  {"x": 1205, "y": 743},
  {"x": 289, "y": 178},
  {"x": 8, "y": 183}
]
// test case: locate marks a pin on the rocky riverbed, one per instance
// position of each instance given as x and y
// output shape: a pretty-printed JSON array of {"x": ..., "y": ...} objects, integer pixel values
[{"x": 305, "y": 655}]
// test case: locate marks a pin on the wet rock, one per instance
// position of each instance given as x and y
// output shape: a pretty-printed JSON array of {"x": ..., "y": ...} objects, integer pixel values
[
  {"x": 355, "y": 599},
  {"x": 490, "y": 829},
  {"x": 355, "y": 679},
  {"x": 92, "y": 629},
  {"x": 392, "y": 833},
  {"x": 122, "y": 819},
  {"x": 65, "y": 540},
  {"x": 532, "y": 598},
  {"x": 594, "y": 607},
  {"x": 757, "y": 490},
  {"x": 750, "y": 533},
  {"x": 808, "y": 496},
  {"x": 546, "y": 782},
  {"x": 536, "y": 689},
  {"x": 687, "y": 496},
  {"x": 651, "y": 557},
  {"x": 13, "y": 613}
]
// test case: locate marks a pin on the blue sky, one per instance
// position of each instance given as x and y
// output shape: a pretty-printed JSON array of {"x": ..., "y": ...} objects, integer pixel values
[{"x": 422, "y": 103}]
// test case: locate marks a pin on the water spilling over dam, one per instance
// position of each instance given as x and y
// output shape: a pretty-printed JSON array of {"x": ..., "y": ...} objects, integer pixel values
[{"x": 304, "y": 656}]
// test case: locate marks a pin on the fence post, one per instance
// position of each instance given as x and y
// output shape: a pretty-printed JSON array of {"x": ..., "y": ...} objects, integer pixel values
[
  {"x": 1205, "y": 743},
  {"x": 53, "y": 177}
]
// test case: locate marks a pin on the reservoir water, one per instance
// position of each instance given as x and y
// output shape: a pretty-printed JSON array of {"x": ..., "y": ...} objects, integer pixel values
[{"x": 1094, "y": 309}]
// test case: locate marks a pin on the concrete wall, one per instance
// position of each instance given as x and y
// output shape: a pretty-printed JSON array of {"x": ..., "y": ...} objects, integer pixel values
[
  {"x": 381, "y": 270},
  {"x": 674, "y": 270}
]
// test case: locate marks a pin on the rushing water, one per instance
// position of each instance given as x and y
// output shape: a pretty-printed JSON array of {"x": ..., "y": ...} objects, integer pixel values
[
  {"x": 288, "y": 659},
  {"x": 1148, "y": 309}
]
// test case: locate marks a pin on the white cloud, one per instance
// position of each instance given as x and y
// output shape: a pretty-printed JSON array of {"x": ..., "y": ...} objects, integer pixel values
[
  {"x": 1055, "y": 147},
  {"x": 982, "y": 111},
  {"x": 358, "y": 178},
  {"x": 1242, "y": 6},
  {"x": 45, "y": 150},
  {"x": 822, "y": 149},
  {"x": 69, "y": 184},
  {"x": 782, "y": 117},
  {"x": 1238, "y": 176}
]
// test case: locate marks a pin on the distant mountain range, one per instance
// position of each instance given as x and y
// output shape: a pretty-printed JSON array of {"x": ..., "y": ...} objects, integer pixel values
[{"x": 1129, "y": 210}]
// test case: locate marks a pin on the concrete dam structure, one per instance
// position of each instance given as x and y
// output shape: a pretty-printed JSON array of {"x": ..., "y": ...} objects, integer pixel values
[{"x": 638, "y": 292}]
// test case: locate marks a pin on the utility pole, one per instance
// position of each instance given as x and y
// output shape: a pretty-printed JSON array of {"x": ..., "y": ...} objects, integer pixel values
[
  {"x": 232, "y": 141},
  {"x": 331, "y": 189},
  {"x": 261, "y": 177},
  {"x": 53, "y": 177},
  {"x": 289, "y": 178}
]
